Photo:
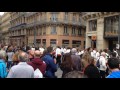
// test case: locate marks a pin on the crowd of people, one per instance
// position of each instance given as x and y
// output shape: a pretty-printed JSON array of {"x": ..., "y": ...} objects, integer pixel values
[{"x": 26, "y": 62}]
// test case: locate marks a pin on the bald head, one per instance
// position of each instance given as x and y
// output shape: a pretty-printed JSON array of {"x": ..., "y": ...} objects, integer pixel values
[
  {"x": 23, "y": 57},
  {"x": 37, "y": 53}
]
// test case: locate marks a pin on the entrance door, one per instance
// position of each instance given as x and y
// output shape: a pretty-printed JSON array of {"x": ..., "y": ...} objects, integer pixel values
[{"x": 112, "y": 44}]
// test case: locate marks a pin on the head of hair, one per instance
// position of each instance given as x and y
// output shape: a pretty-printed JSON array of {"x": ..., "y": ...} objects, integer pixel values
[
  {"x": 49, "y": 49},
  {"x": 36, "y": 48},
  {"x": 67, "y": 62},
  {"x": 28, "y": 48},
  {"x": 23, "y": 57},
  {"x": 103, "y": 53},
  {"x": 91, "y": 71},
  {"x": 10, "y": 49},
  {"x": 37, "y": 53},
  {"x": 74, "y": 74},
  {"x": 113, "y": 54},
  {"x": 2, "y": 45},
  {"x": 74, "y": 50},
  {"x": 113, "y": 63}
]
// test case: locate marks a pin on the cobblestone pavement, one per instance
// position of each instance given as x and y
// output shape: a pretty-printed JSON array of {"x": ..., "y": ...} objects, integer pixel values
[{"x": 59, "y": 73}]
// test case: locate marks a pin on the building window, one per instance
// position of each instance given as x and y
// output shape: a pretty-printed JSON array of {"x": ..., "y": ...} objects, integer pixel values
[
  {"x": 92, "y": 25},
  {"x": 65, "y": 30},
  {"x": 54, "y": 16},
  {"x": 66, "y": 16},
  {"x": 53, "y": 42},
  {"x": 80, "y": 31},
  {"x": 74, "y": 18},
  {"x": 111, "y": 25},
  {"x": 65, "y": 43},
  {"x": 53, "y": 30},
  {"x": 73, "y": 31},
  {"x": 76, "y": 43}
]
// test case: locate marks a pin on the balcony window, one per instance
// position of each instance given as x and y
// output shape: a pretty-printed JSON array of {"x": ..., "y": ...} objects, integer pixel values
[
  {"x": 65, "y": 30},
  {"x": 53, "y": 30},
  {"x": 54, "y": 17},
  {"x": 79, "y": 31},
  {"x": 111, "y": 25},
  {"x": 92, "y": 25},
  {"x": 73, "y": 31}
]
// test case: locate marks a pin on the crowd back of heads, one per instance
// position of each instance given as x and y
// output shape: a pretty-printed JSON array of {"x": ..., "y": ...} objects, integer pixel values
[
  {"x": 23, "y": 57},
  {"x": 67, "y": 62},
  {"x": 74, "y": 74},
  {"x": 91, "y": 71},
  {"x": 49, "y": 49},
  {"x": 113, "y": 63}
]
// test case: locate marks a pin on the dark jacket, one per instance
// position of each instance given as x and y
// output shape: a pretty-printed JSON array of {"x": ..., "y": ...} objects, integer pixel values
[
  {"x": 38, "y": 63},
  {"x": 51, "y": 66}
]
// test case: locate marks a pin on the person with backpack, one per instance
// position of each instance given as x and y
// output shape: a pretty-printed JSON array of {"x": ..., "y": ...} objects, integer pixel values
[
  {"x": 103, "y": 66},
  {"x": 3, "y": 70}
]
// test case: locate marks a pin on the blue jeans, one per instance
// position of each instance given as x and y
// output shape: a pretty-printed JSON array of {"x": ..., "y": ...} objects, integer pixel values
[{"x": 9, "y": 64}]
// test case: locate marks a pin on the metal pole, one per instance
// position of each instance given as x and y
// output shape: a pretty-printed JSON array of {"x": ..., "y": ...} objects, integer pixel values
[{"x": 34, "y": 32}]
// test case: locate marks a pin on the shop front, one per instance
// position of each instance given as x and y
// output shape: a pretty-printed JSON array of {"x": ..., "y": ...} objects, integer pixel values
[
  {"x": 76, "y": 43},
  {"x": 65, "y": 43}
]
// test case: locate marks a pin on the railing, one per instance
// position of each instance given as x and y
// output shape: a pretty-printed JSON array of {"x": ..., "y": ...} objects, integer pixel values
[
  {"x": 66, "y": 34},
  {"x": 55, "y": 21},
  {"x": 111, "y": 34},
  {"x": 18, "y": 26}
]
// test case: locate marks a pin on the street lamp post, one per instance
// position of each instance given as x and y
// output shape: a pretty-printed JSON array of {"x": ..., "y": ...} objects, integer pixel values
[{"x": 34, "y": 32}]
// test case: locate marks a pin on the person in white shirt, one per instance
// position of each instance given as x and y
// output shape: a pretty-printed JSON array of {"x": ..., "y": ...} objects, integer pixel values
[
  {"x": 67, "y": 50},
  {"x": 58, "y": 55},
  {"x": 41, "y": 49},
  {"x": 103, "y": 66}
]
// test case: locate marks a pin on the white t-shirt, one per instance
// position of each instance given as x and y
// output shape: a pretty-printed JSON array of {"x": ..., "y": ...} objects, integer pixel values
[
  {"x": 10, "y": 55},
  {"x": 102, "y": 62}
]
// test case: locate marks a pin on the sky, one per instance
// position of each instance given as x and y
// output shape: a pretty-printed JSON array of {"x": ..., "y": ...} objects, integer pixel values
[{"x": 1, "y": 13}]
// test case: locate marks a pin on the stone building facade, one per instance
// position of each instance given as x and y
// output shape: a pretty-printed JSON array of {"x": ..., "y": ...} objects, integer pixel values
[
  {"x": 66, "y": 29},
  {"x": 102, "y": 29}
]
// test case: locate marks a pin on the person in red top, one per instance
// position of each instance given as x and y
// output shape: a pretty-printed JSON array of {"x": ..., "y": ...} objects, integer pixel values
[{"x": 37, "y": 62}]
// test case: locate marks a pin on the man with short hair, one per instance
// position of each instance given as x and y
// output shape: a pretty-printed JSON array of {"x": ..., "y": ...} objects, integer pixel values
[
  {"x": 51, "y": 65},
  {"x": 103, "y": 66},
  {"x": 37, "y": 62},
  {"x": 22, "y": 70},
  {"x": 76, "y": 59},
  {"x": 113, "y": 65}
]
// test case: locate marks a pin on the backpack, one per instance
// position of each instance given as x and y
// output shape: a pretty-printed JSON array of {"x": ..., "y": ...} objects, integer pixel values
[
  {"x": 3, "y": 72},
  {"x": 38, "y": 74},
  {"x": 98, "y": 63}
]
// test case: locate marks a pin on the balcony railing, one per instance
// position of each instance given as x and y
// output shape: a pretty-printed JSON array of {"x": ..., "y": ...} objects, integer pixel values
[
  {"x": 18, "y": 26},
  {"x": 66, "y": 34},
  {"x": 111, "y": 34},
  {"x": 55, "y": 21}
]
